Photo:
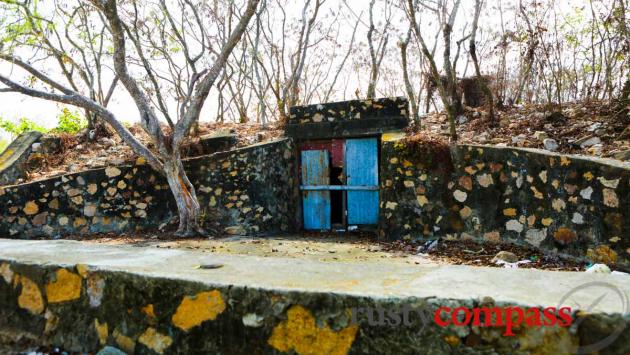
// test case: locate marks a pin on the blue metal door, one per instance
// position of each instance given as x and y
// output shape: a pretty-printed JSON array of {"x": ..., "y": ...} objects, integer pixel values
[
  {"x": 315, "y": 203},
  {"x": 362, "y": 172}
]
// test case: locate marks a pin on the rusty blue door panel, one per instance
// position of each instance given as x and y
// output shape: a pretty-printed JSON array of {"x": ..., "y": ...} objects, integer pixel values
[
  {"x": 316, "y": 204},
  {"x": 362, "y": 170}
]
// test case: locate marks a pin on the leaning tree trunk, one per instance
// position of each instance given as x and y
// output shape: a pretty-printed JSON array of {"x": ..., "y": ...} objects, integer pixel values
[{"x": 184, "y": 193}]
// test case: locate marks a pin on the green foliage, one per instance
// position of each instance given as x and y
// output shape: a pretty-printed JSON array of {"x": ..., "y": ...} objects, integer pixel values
[
  {"x": 70, "y": 122},
  {"x": 3, "y": 145},
  {"x": 23, "y": 125}
]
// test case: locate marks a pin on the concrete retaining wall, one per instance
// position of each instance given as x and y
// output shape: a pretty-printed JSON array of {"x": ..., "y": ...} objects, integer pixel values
[
  {"x": 567, "y": 204},
  {"x": 248, "y": 190},
  {"x": 126, "y": 298}
]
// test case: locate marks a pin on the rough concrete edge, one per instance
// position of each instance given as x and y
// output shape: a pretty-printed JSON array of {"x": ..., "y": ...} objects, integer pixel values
[
  {"x": 350, "y": 101},
  {"x": 394, "y": 136},
  {"x": 585, "y": 158},
  {"x": 21, "y": 139},
  {"x": 288, "y": 290}
]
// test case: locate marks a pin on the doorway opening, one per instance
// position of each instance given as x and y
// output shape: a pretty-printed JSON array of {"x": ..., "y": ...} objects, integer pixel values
[
  {"x": 337, "y": 198},
  {"x": 339, "y": 183}
]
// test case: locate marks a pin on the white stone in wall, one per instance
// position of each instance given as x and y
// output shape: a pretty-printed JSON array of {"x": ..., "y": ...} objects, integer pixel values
[{"x": 514, "y": 225}]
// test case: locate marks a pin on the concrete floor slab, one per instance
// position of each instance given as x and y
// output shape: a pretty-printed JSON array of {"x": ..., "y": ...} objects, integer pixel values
[
  {"x": 146, "y": 299},
  {"x": 375, "y": 278}
]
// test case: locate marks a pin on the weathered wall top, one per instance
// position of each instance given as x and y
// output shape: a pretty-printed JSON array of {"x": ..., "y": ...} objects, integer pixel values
[
  {"x": 348, "y": 118},
  {"x": 13, "y": 159}
]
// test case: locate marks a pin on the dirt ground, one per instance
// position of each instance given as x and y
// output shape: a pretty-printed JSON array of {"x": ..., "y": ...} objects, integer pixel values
[
  {"x": 349, "y": 247},
  {"x": 77, "y": 154},
  {"x": 527, "y": 126}
]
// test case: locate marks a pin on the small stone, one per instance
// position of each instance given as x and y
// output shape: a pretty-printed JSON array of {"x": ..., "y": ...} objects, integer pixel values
[
  {"x": 541, "y": 135},
  {"x": 514, "y": 225},
  {"x": 625, "y": 155},
  {"x": 519, "y": 140},
  {"x": 31, "y": 208},
  {"x": 588, "y": 142},
  {"x": 253, "y": 320},
  {"x": 586, "y": 193},
  {"x": 461, "y": 119},
  {"x": 610, "y": 198},
  {"x": 577, "y": 218},
  {"x": 110, "y": 350},
  {"x": 550, "y": 144},
  {"x": 597, "y": 149},
  {"x": 506, "y": 256},
  {"x": 235, "y": 230},
  {"x": 391, "y": 205},
  {"x": 117, "y": 161},
  {"x": 465, "y": 212},
  {"x": 112, "y": 171},
  {"x": 535, "y": 236},
  {"x": 89, "y": 210},
  {"x": 598, "y": 269},
  {"x": 594, "y": 127},
  {"x": 460, "y": 196},
  {"x": 485, "y": 180}
]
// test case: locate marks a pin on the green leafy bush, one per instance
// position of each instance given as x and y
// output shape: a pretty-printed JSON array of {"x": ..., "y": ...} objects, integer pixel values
[
  {"x": 70, "y": 122},
  {"x": 23, "y": 125}
]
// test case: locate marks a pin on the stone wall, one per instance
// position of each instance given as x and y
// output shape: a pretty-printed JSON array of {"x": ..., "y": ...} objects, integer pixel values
[
  {"x": 566, "y": 204},
  {"x": 347, "y": 118},
  {"x": 247, "y": 191}
]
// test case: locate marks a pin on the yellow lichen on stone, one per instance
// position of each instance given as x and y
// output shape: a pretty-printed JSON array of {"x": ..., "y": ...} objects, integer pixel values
[
  {"x": 546, "y": 222},
  {"x": 452, "y": 340},
  {"x": 31, "y": 208},
  {"x": 155, "y": 341},
  {"x": 6, "y": 272},
  {"x": 301, "y": 334},
  {"x": 588, "y": 176},
  {"x": 31, "y": 297},
  {"x": 509, "y": 212},
  {"x": 422, "y": 200},
  {"x": 602, "y": 254},
  {"x": 102, "y": 330},
  {"x": 66, "y": 287},
  {"x": 537, "y": 194},
  {"x": 149, "y": 311},
  {"x": 127, "y": 344},
  {"x": 392, "y": 136},
  {"x": 83, "y": 270},
  {"x": 194, "y": 310}
]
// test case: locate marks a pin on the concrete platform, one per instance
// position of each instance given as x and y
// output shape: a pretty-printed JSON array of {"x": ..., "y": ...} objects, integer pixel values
[{"x": 83, "y": 296}]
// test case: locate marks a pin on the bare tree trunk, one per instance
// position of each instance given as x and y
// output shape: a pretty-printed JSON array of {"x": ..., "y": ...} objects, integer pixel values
[
  {"x": 408, "y": 87},
  {"x": 185, "y": 197},
  {"x": 376, "y": 54},
  {"x": 532, "y": 43},
  {"x": 473, "y": 54},
  {"x": 445, "y": 91}
]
